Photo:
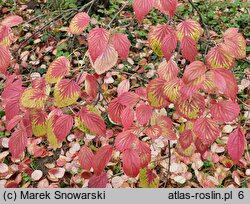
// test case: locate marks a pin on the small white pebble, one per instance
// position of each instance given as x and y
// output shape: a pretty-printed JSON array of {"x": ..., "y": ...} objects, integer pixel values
[
  {"x": 71, "y": 137},
  {"x": 5, "y": 142},
  {"x": 36, "y": 175},
  {"x": 227, "y": 129},
  {"x": 3, "y": 168}
]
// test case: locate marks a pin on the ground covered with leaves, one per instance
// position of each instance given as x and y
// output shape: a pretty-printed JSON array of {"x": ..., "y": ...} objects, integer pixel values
[{"x": 44, "y": 36}]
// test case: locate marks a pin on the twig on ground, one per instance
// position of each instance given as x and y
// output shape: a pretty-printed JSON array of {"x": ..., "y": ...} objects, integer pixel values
[
  {"x": 109, "y": 25},
  {"x": 51, "y": 21}
]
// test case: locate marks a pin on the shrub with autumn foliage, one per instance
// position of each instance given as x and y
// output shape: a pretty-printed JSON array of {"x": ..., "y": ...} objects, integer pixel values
[{"x": 120, "y": 132}]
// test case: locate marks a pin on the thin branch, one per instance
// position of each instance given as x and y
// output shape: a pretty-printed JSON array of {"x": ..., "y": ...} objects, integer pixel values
[
  {"x": 200, "y": 17},
  {"x": 117, "y": 14},
  {"x": 51, "y": 21},
  {"x": 100, "y": 93},
  {"x": 178, "y": 53},
  {"x": 39, "y": 30},
  {"x": 86, "y": 5},
  {"x": 169, "y": 164},
  {"x": 91, "y": 6}
]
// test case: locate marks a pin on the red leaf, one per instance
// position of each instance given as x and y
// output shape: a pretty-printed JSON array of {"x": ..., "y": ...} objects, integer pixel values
[
  {"x": 155, "y": 93},
  {"x": 57, "y": 69},
  {"x": 13, "y": 87},
  {"x": 115, "y": 109},
  {"x": 93, "y": 121},
  {"x": 12, "y": 108},
  {"x": 127, "y": 117},
  {"x": 169, "y": 44},
  {"x": 169, "y": 5},
  {"x": 208, "y": 86},
  {"x": 5, "y": 58},
  {"x": 106, "y": 60},
  {"x": 144, "y": 152},
  {"x": 38, "y": 119},
  {"x": 143, "y": 113},
  {"x": 189, "y": 49},
  {"x": 172, "y": 89},
  {"x": 123, "y": 87},
  {"x": 192, "y": 107},
  {"x": 200, "y": 146},
  {"x": 234, "y": 43},
  {"x": 217, "y": 58},
  {"x": 142, "y": 92},
  {"x": 168, "y": 70},
  {"x": 156, "y": 39},
  {"x": 154, "y": 131},
  {"x": 63, "y": 126},
  {"x": 236, "y": 144},
  {"x": 121, "y": 44},
  {"x": 18, "y": 142},
  {"x": 141, "y": 8},
  {"x": 103, "y": 55},
  {"x": 225, "y": 82},
  {"x": 66, "y": 92},
  {"x": 11, "y": 21},
  {"x": 91, "y": 86},
  {"x": 164, "y": 120},
  {"x": 193, "y": 71},
  {"x": 131, "y": 162},
  {"x": 150, "y": 176},
  {"x": 85, "y": 157},
  {"x": 98, "y": 41},
  {"x": 101, "y": 159},
  {"x": 158, "y": 5},
  {"x": 39, "y": 83},
  {"x": 26, "y": 122},
  {"x": 192, "y": 87},
  {"x": 124, "y": 141},
  {"x": 5, "y": 35},
  {"x": 189, "y": 28},
  {"x": 78, "y": 23},
  {"x": 166, "y": 126},
  {"x": 13, "y": 122},
  {"x": 129, "y": 99},
  {"x": 186, "y": 139},
  {"x": 207, "y": 130},
  {"x": 99, "y": 181},
  {"x": 225, "y": 111}
]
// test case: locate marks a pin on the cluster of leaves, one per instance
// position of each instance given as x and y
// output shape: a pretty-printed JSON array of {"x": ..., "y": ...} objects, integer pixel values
[{"x": 54, "y": 105}]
